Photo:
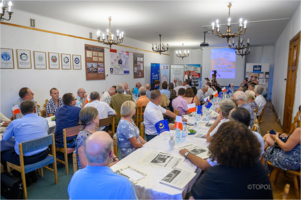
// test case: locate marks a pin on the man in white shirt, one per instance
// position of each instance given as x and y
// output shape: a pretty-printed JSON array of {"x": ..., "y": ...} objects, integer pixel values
[
  {"x": 209, "y": 91},
  {"x": 260, "y": 100},
  {"x": 153, "y": 113},
  {"x": 106, "y": 96},
  {"x": 104, "y": 110},
  {"x": 242, "y": 101},
  {"x": 179, "y": 83},
  {"x": 201, "y": 94}
]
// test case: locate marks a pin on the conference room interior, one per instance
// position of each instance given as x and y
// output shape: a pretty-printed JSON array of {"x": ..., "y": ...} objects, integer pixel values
[{"x": 67, "y": 45}]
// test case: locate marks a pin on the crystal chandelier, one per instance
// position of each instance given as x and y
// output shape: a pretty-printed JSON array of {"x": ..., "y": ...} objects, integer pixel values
[
  {"x": 161, "y": 48},
  {"x": 242, "y": 28},
  {"x": 182, "y": 54},
  {"x": 240, "y": 47},
  {"x": 110, "y": 38},
  {"x": 3, "y": 8}
]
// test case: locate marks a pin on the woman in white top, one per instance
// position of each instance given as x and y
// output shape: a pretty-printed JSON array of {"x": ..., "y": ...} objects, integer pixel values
[{"x": 225, "y": 107}]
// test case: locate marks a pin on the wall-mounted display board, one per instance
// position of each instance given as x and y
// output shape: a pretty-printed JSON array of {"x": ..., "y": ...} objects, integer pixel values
[
  {"x": 120, "y": 62},
  {"x": 54, "y": 60},
  {"x": 7, "y": 59},
  {"x": 23, "y": 59},
  {"x": 66, "y": 61},
  {"x": 138, "y": 65},
  {"x": 39, "y": 58},
  {"x": 77, "y": 62},
  {"x": 94, "y": 62}
]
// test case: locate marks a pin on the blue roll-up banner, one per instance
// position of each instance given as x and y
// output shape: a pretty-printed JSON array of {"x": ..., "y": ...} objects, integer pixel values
[{"x": 155, "y": 72}]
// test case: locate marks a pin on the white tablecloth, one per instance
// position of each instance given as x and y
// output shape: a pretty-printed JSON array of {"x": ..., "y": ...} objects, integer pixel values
[{"x": 150, "y": 188}]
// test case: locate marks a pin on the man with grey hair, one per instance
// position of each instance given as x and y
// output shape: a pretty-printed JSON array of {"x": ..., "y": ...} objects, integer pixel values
[
  {"x": 97, "y": 180},
  {"x": 225, "y": 107},
  {"x": 81, "y": 99},
  {"x": 104, "y": 110},
  {"x": 106, "y": 96},
  {"x": 175, "y": 83},
  {"x": 118, "y": 99},
  {"x": 148, "y": 90},
  {"x": 260, "y": 100},
  {"x": 143, "y": 100},
  {"x": 126, "y": 88},
  {"x": 179, "y": 85},
  {"x": 242, "y": 101},
  {"x": 201, "y": 94}
]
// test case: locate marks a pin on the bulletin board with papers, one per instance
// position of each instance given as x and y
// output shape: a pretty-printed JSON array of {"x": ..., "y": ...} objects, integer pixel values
[
  {"x": 94, "y": 62},
  {"x": 138, "y": 65}
]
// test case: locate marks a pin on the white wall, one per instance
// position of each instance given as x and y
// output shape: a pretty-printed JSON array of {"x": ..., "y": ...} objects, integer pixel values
[
  {"x": 281, "y": 62},
  {"x": 41, "y": 81}
]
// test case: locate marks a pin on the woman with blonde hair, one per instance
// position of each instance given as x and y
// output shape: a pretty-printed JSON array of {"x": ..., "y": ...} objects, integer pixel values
[
  {"x": 128, "y": 134},
  {"x": 190, "y": 97},
  {"x": 164, "y": 101},
  {"x": 251, "y": 99}
]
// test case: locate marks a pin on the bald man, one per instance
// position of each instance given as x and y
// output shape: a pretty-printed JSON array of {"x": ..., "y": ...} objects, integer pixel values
[
  {"x": 148, "y": 90},
  {"x": 136, "y": 89},
  {"x": 81, "y": 99},
  {"x": 106, "y": 96},
  {"x": 97, "y": 180}
]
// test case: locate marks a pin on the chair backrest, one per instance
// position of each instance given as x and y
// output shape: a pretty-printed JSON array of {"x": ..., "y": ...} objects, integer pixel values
[
  {"x": 286, "y": 191},
  {"x": 295, "y": 124},
  {"x": 176, "y": 111},
  {"x": 254, "y": 128},
  {"x": 72, "y": 130},
  {"x": 142, "y": 129},
  {"x": 261, "y": 114},
  {"x": 74, "y": 159},
  {"x": 106, "y": 121},
  {"x": 139, "y": 115},
  {"x": 43, "y": 113},
  {"x": 256, "y": 110},
  {"x": 36, "y": 144},
  {"x": 45, "y": 103}
]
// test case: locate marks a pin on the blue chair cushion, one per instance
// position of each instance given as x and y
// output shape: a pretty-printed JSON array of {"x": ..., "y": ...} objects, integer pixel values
[{"x": 38, "y": 165}]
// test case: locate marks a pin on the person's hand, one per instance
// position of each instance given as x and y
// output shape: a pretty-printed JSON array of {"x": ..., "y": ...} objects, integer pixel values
[
  {"x": 183, "y": 151},
  {"x": 283, "y": 135},
  {"x": 217, "y": 110},
  {"x": 5, "y": 124},
  {"x": 184, "y": 120},
  {"x": 85, "y": 95},
  {"x": 274, "y": 136},
  {"x": 219, "y": 117},
  {"x": 113, "y": 163}
]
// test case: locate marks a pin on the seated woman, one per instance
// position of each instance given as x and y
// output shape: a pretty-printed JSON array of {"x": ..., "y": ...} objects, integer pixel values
[
  {"x": 236, "y": 150},
  {"x": 89, "y": 119},
  {"x": 225, "y": 107},
  {"x": 286, "y": 155},
  {"x": 128, "y": 134},
  {"x": 164, "y": 103},
  {"x": 191, "y": 97},
  {"x": 173, "y": 95},
  {"x": 251, "y": 99}
]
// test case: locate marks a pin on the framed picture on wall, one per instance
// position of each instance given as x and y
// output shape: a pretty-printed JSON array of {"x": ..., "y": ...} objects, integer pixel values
[
  {"x": 66, "y": 61},
  {"x": 77, "y": 62},
  {"x": 7, "y": 59},
  {"x": 53, "y": 60},
  {"x": 23, "y": 59},
  {"x": 39, "y": 58}
]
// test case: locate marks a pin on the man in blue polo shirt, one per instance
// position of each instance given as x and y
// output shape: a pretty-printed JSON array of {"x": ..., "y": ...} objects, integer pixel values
[
  {"x": 65, "y": 117},
  {"x": 97, "y": 180}
]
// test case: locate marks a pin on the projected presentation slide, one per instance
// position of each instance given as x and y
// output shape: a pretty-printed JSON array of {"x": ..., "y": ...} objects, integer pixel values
[{"x": 223, "y": 61}]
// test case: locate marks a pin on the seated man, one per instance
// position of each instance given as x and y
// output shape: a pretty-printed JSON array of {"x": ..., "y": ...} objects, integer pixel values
[
  {"x": 179, "y": 85},
  {"x": 24, "y": 94},
  {"x": 202, "y": 92},
  {"x": 155, "y": 85},
  {"x": 97, "y": 180},
  {"x": 148, "y": 90},
  {"x": 104, "y": 110},
  {"x": 118, "y": 99},
  {"x": 186, "y": 84},
  {"x": 29, "y": 127},
  {"x": 65, "y": 117},
  {"x": 126, "y": 88},
  {"x": 164, "y": 89},
  {"x": 54, "y": 102},
  {"x": 106, "y": 96},
  {"x": 143, "y": 100},
  {"x": 251, "y": 86},
  {"x": 242, "y": 101},
  {"x": 260, "y": 100},
  {"x": 153, "y": 113},
  {"x": 81, "y": 99},
  {"x": 180, "y": 103},
  {"x": 245, "y": 83},
  {"x": 210, "y": 90},
  {"x": 136, "y": 89}
]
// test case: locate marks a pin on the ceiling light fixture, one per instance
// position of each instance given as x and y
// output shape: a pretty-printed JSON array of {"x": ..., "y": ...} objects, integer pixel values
[
  {"x": 161, "y": 48},
  {"x": 182, "y": 54},
  {"x": 240, "y": 47},
  {"x": 109, "y": 38},
  {"x": 3, "y": 8},
  {"x": 241, "y": 27}
]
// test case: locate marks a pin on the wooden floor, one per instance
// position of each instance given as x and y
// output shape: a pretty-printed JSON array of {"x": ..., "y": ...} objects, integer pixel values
[{"x": 270, "y": 122}]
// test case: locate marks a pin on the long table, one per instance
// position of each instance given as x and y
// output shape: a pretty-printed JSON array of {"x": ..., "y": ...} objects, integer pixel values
[{"x": 150, "y": 188}]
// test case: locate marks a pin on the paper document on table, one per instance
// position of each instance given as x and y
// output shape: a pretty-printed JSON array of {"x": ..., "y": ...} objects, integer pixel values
[
  {"x": 161, "y": 159},
  {"x": 131, "y": 173},
  {"x": 213, "y": 113},
  {"x": 195, "y": 150},
  {"x": 178, "y": 178}
]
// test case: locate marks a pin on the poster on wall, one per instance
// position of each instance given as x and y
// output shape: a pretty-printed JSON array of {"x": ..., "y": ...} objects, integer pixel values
[
  {"x": 23, "y": 59},
  {"x": 120, "y": 62},
  {"x": 94, "y": 62},
  {"x": 138, "y": 65},
  {"x": 195, "y": 71},
  {"x": 259, "y": 74},
  {"x": 155, "y": 72},
  {"x": 66, "y": 61},
  {"x": 7, "y": 59},
  {"x": 77, "y": 62},
  {"x": 53, "y": 60},
  {"x": 177, "y": 72},
  {"x": 39, "y": 59},
  {"x": 164, "y": 73}
]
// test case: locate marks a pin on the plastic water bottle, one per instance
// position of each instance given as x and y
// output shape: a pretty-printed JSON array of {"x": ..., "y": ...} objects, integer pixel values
[
  {"x": 195, "y": 121},
  {"x": 184, "y": 132},
  {"x": 178, "y": 135},
  {"x": 207, "y": 115},
  {"x": 198, "y": 117},
  {"x": 171, "y": 143}
]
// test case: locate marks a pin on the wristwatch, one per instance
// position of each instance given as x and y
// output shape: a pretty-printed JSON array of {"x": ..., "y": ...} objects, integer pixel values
[{"x": 186, "y": 154}]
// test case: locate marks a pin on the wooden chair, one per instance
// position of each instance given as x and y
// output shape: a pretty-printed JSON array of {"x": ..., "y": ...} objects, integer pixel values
[
  {"x": 67, "y": 132},
  {"x": 286, "y": 191},
  {"x": 295, "y": 124},
  {"x": 108, "y": 121},
  {"x": 260, "y": 117},
  {"x": 256, "y": 110},
  {"x": 74, "y": 159},
  {"x": 140, "y": 115},
  {"x": 115, "y": 145},
  {"x": 32, "y": 145},
  {"x": 176, "y": 111},
  {"x": 254, "y": 128}
]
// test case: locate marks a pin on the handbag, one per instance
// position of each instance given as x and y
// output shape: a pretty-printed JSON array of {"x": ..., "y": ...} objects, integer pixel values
[{"x": 11, "y": 186}]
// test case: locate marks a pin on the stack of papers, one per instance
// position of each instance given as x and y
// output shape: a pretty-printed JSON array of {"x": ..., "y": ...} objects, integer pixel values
[
  {"x": 195, "y": 150},
  {"x": 133, "y": 174},
  {"x": 178, "y": 178}
]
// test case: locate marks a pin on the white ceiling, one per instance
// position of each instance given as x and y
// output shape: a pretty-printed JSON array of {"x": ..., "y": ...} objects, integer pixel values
[{"x": 178, "y": 21}]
